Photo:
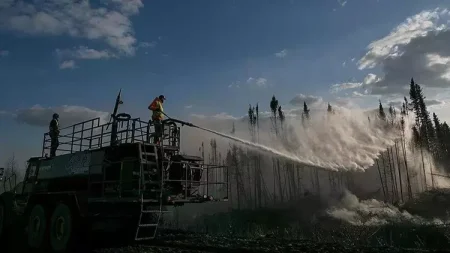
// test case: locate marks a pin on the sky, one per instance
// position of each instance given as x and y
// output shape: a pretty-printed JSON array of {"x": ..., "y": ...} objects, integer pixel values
[{"x": 211, "y": 59}]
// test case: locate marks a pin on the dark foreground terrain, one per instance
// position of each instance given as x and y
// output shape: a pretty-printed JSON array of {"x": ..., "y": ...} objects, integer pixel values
[
  {"x": 377, "y": 240},
  {"x": 292, "y": 229}
]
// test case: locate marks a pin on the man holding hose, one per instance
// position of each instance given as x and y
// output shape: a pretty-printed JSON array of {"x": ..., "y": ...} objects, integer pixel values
[{"x": 158, "y": 114}]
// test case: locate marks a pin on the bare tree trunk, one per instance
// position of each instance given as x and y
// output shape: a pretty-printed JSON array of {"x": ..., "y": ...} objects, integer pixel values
[
  {"x": 280, "y": 186},
  {"x": 385, "y": 177},
  {"x": 393, "y": 175},
  {"x": 381, "y": 180},
  {"x": 408, "y": 178},
  {"x": 274, "y": 168},
  {"x": 431, "y": 173},
  {"x": 316, "y": 171},
  {"x": 423, "y": 168},
  {"x": 399, "y": 172}
]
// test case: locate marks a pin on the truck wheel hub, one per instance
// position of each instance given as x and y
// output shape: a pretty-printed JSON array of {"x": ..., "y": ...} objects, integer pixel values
[
  {"x": 36, "y": 224},
  {"x": 59, "y": 228}
]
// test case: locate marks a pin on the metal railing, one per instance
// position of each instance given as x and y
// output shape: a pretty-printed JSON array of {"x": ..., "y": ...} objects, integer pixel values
[
  {"x": 91, "y": 134},
  {"x": 190, "y": 182}
]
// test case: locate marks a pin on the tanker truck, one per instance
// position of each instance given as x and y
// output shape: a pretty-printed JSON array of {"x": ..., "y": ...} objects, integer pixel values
[{"x": 106, "y": 176}]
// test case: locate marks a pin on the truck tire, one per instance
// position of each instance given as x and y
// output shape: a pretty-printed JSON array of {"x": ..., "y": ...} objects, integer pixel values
[
  {"x": 37, "y": 227},
  {"x": 61, "y": 228}
]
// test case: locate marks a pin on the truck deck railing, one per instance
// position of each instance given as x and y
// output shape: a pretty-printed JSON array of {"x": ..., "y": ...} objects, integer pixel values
[
  {"x": 210, "y": 176},
  {"x": 92, "y": 134}
]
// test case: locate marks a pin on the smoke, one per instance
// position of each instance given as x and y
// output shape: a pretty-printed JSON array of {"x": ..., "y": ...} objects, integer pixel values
[{"x": 374, "y": 213}]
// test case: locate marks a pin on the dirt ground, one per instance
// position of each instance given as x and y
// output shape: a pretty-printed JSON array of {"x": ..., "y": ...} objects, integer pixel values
[
  {"x": 281, "y": 230},
  {"x": 181, "y": 241}
]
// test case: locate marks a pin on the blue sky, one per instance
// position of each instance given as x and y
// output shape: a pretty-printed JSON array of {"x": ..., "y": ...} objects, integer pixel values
[{"x": 206, "y": 57}]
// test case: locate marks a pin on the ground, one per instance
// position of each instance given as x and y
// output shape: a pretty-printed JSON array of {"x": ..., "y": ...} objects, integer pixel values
[
  {"x": 290, "y": 229},
  {"x": 322, "y": 240}
]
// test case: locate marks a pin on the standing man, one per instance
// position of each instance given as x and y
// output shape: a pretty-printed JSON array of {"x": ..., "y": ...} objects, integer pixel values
[
  {"x": 157, "y": 108},
  {"x": 54, "y": 133}
]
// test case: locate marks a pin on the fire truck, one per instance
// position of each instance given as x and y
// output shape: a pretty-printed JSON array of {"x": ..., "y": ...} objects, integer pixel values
[{"x": 105, "y": 176}]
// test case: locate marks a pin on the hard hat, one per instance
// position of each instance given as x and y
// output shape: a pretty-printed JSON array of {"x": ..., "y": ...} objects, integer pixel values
[{"x": 162, "y": 97}]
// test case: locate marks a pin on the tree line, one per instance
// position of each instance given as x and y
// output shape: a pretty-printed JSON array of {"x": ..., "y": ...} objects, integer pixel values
[{"x": 248, "y": 176}]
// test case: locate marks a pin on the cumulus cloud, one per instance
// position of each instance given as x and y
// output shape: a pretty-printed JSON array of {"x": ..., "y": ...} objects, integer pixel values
[
  {"x": 84, "y": 53},
  {"x": 309, "y": 99},
  {"x": 4, "y": 53},
  {"x": 282, "y": 53},
  {"x": 258, "y": 82},
  {"x": 109, "y": 22},
  {"x": 129, "y": 7},
  {"x": 67, "y": 65},
  {"x": 69, "y": 115},
  {"x": 416, "y": 48},
  {"x": 188, "y": 106},
  {"x": 416, "y": 26}
]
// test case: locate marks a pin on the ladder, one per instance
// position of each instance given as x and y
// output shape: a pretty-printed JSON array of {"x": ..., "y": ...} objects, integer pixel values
[{"x": 149, "y": 219}]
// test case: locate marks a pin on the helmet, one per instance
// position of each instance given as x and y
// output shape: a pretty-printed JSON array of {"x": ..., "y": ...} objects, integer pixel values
[
  {"x": 162, "y": 97},
  {"x": 55, "y": 116}
]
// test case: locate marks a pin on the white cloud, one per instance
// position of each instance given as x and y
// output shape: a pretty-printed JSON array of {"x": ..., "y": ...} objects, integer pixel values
[
  {"x": 416, "y": 48},
  {"x": 259, "y": 82},
  {"x": 428, "y": 102},
  {"x": 68, "y": 114},
  {"x": 370, "y": 79},
  {"x": 344, "y": 86},
  {"x": 4, "y": 53},
  {"x": 342, "y": 2},
  {"x": 414, "y": 27},
  {"x": 300, "y": 98},
  {"x": 357, "y": 94},
  {"x": 67, "y": 65},
  {"x": 282, "y": 53},
  {"x": 109, "y": 22},
  {"x": 129, "y": 7},
  {"x": 224, "y": 116},
  {"x": 199, "y": 116},
  {"x": 236, "y": 84},
  {"x": 219, "y": 116},
  {"x": 84, "y": 53},
  {"x": 188, "y": 106}
]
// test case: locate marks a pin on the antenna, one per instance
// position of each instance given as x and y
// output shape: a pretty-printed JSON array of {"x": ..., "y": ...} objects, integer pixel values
[{"x": 114, "y": 119}]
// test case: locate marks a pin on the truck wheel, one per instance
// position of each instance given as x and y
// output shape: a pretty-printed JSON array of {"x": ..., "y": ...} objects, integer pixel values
[
  {"x": 60, "y": 228},
  {"x": 37, "y": 227}
]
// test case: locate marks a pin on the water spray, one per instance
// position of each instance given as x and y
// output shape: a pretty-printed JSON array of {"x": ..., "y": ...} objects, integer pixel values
[{"x": 330, "y": 166}]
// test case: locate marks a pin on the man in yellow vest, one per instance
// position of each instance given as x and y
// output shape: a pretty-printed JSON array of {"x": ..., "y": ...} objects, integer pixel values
[{"x": 157, "y": 108}]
